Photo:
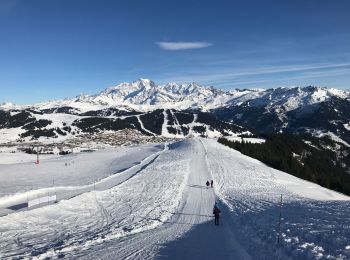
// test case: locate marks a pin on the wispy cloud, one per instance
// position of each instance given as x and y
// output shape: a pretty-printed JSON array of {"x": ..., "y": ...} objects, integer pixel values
[
  {"x": 257, "y": 75},
  {"x": 177, "y": 46}
]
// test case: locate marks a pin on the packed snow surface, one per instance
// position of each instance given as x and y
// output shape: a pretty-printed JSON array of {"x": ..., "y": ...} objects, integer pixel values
[
  {"x": 72, "y": 169},
  {"x": 18, "y": 157},
  {"x": 67, "y": 176},
  {"x": 163, "y": 209}
]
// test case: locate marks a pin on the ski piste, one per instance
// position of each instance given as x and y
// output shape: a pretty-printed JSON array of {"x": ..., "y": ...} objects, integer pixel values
[{"x": 165, "y": 211}]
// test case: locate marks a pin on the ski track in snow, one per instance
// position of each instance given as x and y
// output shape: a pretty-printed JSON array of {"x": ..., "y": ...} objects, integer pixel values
[
  {"x": 165, "y": 211},
  {"x": 143, "y": 127},
  {"x": 177, "y": 124},
  {"x": 190, "y": 132},
  {"x": 165, "y": 131}
]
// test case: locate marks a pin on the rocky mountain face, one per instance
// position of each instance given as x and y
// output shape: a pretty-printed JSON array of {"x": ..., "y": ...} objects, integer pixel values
[{"x": 311, "y": 110}]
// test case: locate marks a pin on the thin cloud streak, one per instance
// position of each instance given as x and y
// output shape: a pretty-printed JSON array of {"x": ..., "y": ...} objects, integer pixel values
[
  {"x": 234, "y": 77},
  {"x": 177, "y": 46},
  {"x": 263, "y": 70}
]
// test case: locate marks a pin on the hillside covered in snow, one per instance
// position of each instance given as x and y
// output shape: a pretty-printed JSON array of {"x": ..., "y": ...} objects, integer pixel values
[{"x": 157, "y": 206}]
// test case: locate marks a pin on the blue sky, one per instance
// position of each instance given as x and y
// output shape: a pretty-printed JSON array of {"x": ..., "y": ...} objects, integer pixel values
[{"x": 53, "y": 49}]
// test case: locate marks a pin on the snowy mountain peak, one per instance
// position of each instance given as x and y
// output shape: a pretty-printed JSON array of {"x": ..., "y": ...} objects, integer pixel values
[
  {"x": 7, "y": 105},
  {"x": 288, "y": 98},
  {"x": 145, "y": 82},
  {"x": 126, "y": 87},
  {"x": 145, "y": 95}
]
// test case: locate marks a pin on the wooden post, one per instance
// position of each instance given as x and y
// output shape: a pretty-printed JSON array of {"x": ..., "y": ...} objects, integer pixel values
[{"x": 280, "y": 222}]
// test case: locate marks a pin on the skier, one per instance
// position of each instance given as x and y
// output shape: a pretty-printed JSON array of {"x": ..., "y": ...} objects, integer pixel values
[
  {"x": 216, "y": 212},
  {"x": 211, "y": 183},
  {"x": 207, "y": 184}
]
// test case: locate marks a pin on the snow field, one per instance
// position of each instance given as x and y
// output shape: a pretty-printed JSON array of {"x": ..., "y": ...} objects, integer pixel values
[
  {"x": 72, "y": 169},
  {"x": 70, "y": 175},
  {"x": 162, "y": 209},
  {"x": 19, "y": 157}
]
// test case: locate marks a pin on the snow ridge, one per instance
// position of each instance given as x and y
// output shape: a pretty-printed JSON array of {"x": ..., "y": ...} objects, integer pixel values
[{"x": 146, "y": 95}]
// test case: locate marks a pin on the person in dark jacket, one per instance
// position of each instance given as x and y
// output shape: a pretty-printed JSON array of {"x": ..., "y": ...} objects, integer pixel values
[
  {"x": 216, "y": 212},
  {"x": 207, "y": 184},
  {"x": 211, "y": 183}
]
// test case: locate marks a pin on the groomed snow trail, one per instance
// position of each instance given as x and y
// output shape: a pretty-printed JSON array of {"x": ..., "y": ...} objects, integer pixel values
[
  {"x": 190, "y": 232},
  {"x": 143, "y": 127}
]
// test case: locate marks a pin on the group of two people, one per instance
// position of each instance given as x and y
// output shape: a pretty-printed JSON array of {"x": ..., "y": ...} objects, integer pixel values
[{"x": 209, "y": 183}]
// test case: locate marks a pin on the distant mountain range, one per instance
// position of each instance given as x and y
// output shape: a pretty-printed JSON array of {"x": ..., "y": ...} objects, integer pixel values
[
  {"x": 180, "y": 110},
  {"x": 145, "y": 95}
]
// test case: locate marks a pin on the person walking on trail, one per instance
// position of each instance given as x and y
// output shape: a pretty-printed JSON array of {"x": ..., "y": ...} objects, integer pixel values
[
  {"x": 216, "y": 212},
  {"x": 211, "y": 183},
  {"x": 207, "y": 184}
]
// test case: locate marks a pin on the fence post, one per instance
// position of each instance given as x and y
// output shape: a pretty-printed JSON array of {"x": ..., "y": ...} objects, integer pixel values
[{"x": 280, "y": 222}]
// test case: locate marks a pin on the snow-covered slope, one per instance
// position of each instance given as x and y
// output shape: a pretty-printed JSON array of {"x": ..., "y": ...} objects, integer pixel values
[
  {"x": 165, "y": 211},
  {"x": 48, "y": 126}
]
